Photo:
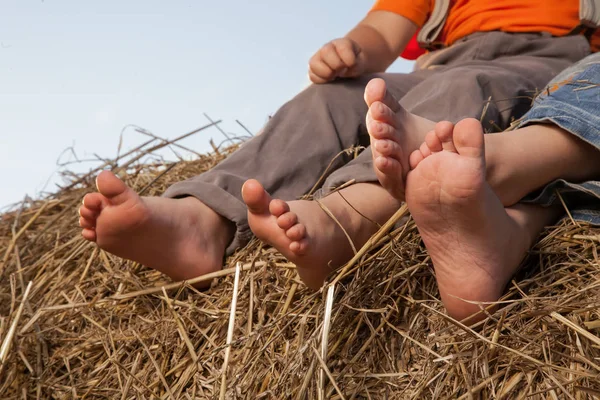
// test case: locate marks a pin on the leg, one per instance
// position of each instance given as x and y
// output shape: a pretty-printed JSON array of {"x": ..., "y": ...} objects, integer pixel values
[
  {"x": 558, "y": 138},
  {"x": 526, "y": 159}
]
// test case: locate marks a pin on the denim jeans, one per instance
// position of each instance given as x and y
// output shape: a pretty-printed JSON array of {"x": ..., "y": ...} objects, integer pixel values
[{"x": 572, "y": 102}]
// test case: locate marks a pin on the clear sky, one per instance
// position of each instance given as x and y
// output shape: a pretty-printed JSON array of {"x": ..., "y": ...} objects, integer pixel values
[{"x": 75, "y": 73}]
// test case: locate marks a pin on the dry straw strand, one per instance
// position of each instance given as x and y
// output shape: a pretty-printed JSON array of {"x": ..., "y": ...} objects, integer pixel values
[
  {"x": 236, "y": 281},
  {"x": 97, "y": 326}
]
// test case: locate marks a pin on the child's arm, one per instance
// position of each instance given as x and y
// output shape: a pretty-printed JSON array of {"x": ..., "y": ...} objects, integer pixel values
[{"x": 372, "y": 46}]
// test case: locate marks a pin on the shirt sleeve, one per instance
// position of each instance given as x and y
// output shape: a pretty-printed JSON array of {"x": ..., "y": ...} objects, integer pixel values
[{"x": 415, "y": 10}]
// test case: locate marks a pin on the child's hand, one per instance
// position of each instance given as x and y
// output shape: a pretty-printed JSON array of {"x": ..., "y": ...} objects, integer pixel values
[{"x": 340, "y": 58}]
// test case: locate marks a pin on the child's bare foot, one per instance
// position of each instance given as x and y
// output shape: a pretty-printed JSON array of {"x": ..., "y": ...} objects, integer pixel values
[
  {"x": 182, "y": 238},
  {"x": 395, "y": 134},
  {"x": 475, "y": 245},
  {"x": 306, "y": 235}
]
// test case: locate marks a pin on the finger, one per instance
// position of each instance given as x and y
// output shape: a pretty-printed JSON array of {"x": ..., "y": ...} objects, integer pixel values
[
  {"x": 331, "y": 58},
  {"x": 315, "y": 78},
  {"x": 347, "y": 51},
  {"x": 320, "y": 70}
]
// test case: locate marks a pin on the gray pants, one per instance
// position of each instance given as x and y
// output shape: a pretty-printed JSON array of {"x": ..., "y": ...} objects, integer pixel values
[{"x": 303, "y": 137}]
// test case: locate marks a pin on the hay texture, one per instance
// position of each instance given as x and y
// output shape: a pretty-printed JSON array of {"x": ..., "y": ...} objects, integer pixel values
[{"x": 77, "y": 322}]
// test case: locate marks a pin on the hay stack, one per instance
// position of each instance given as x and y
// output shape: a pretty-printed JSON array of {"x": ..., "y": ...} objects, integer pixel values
[{"x": 95, "y": 326}]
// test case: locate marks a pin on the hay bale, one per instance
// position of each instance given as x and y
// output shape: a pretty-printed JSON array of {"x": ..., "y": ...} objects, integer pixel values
[{"x": 96, "y": 326}]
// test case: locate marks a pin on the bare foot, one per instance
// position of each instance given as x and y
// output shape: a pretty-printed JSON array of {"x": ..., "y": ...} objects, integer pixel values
[
  {"x": 306, "y": 235},
  {"x": 395, "y": 134},
  {"x": 181, "y": 238},
  {"x": 474, "y": 243}
]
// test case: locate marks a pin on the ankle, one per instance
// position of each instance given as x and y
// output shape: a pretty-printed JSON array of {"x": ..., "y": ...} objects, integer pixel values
[
  {"x": 500, "y": 174},
  {"x": 356, "y": 219},
  {"x": 414, "y": 129},
  {"x": 222, "y": 229}
]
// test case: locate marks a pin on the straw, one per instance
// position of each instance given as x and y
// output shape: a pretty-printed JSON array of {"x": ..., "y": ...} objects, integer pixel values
[{"x": 98, "y": 326}]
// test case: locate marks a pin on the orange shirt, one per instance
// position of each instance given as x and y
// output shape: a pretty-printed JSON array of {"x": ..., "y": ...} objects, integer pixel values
[{"x": 557, "y": 17}]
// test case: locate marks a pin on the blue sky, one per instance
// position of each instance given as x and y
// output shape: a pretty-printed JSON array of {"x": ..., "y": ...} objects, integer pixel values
[{"x": 75, "y": 73}]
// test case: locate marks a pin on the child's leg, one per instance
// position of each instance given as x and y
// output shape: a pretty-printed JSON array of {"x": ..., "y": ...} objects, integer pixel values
[{"x": 527, "y": 159}]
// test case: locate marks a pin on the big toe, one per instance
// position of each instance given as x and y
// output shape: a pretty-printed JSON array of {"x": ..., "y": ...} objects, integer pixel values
[
  {"x": 376, "y": 90},
  {"x": 110, "y": 186},
  {"x": 468, "y": 138},
  {"x": 256, "y": 197}
]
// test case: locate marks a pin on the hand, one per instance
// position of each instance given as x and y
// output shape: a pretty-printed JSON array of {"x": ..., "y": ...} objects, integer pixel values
[{"x": 340, "y": 58}]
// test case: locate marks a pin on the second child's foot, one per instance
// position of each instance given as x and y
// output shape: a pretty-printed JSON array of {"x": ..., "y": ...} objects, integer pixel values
[
  {"x": 181, "y": 238},
  {"x": 474, "y": 244},
  {"x": 395, "y": 134},
  {"x": 304, "y": 233}
]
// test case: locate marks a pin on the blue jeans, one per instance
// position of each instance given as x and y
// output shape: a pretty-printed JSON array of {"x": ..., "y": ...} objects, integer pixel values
[{"x": 572, "y": 102}]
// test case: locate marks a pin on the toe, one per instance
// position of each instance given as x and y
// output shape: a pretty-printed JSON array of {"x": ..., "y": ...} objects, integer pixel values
[
  {"x": 87, "y": 213},
  {"x": 387, "y": 165},
  {"x": 287, "y": 220},
  {"x": 425, "y": 150},
  {"x": 299, "y": 247},
  {"x": 255, "y": 197},
  {"x": 93, "y": 201},
  {"x": 389, "y": 174},
  {"x": 444, "y": 132},
  {"x": 86, "y": 223},
  {"x": 110, "y": 186},
  {"x": 376, "y": 91},
  {"x": 382, "y": 113},
  {"x": 468, "y": 138},
  {"x": 89, "y": 234},
  {"x": 296, "y": 232},
  {"x": 415, "y": 158},
  {"x": 433, "y": 142},
  {"x": 380, "y": 130},
  {"x": 278, "y": 207},
  {"x": 388, "y": 148}
]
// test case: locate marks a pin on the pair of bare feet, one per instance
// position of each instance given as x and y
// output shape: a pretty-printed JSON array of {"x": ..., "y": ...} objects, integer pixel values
[
  {"x": 475, "y": 243},
  {"x": 440, "y": 170}
]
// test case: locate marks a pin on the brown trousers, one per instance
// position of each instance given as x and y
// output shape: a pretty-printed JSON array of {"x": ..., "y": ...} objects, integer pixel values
[{"x": 303, "y": 137}]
